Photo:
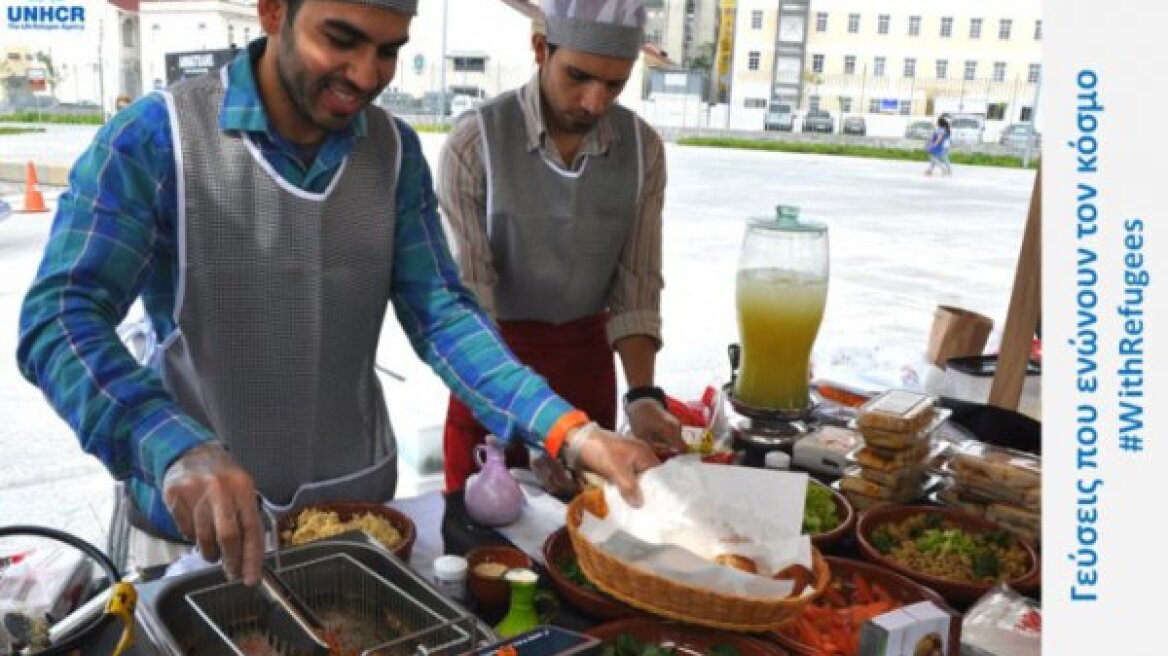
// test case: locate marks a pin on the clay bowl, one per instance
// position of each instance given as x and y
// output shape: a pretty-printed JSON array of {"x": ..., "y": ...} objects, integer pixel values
[
  {"x": 347, "y": 510},
  {"x": 556, "y": 550},
  {"x": 490, "y": 590},
  {"x": 901, "y": 588},
  {"x": 828, "y": 540},
  {"x": 683, "y": 639},
  {"x": 959, "y": 593}
]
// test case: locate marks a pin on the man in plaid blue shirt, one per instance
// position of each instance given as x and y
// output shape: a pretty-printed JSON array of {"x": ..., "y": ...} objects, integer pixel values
[{"x": 267, "y": 216}]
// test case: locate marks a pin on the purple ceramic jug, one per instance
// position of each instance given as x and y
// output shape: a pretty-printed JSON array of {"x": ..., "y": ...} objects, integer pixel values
[{"x": 492, "y": 497}]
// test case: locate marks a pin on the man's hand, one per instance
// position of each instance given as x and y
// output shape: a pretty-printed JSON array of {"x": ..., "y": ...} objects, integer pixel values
[
  {"x": 618, "y": 459},
  {"x": 655, "y": 425},
  {"x": 553, "y": 477},
  {"x": 213, "y": 501}
]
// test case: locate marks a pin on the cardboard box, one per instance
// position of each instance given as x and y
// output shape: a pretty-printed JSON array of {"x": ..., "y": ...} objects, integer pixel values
[{"x": 921, "y": 629}]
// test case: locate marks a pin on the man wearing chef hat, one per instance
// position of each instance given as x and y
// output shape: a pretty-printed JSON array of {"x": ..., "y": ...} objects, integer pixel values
[
  {"x": 266, "y": 215},
  {"x": 553, "y": 195}
]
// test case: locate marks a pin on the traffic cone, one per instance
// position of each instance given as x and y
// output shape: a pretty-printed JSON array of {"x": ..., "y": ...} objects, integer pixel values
[{"x": 34, "y": 200}]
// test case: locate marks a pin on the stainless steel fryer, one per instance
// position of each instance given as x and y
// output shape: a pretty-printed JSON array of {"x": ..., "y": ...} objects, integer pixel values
[{"x": 349, "y": 579}]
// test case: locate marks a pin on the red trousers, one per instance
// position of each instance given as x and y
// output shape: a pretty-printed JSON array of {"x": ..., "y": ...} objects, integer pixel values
[{"x": 577, "y": 362}]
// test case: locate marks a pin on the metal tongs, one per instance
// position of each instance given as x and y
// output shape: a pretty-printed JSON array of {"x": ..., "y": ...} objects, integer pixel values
[{"x": 288, "y": 618}]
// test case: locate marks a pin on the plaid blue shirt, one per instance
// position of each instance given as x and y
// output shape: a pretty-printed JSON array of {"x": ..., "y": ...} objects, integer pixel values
[{"x": 114, "y": 240}]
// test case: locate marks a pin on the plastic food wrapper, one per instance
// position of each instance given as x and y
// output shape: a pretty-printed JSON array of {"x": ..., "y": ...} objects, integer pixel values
[
  {"x": 898, "y": 411},
  {"x": 694, "y": 512},
  {"x": 42, "y": 583},
  {"x": 1002, "y": 622},
  {"x": 999, "y": 473}
]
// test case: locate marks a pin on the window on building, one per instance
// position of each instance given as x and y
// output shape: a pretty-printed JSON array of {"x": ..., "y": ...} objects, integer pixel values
[
  {"x": 752, "y": 59},
  {"x": 942, "y": 69},
  {"x": 1037, "y": 30},
  {"x": 1034, "y": 73},
  {"x": 853, "y": 23},
  {"x": 130, "y": 35},
  {"x": 946, "y": 27},
  {"x": 878, "y": 66},
  {"x": 1004, "y": 27},
  {"x": 654, "y": 37},
  {"x": 914, "y": 25},
  {"x": 874, "y": 106},
  {"x": 996, "y": 111},
  {"x": 1026, "y": 114},
  {"x": 821, "y": 21},
  {"x": 470, "y": 64},
  {"x": 756, "y": 19},
  {"x": 816, "y": 63},
  {"x": 849, "y": 64},
  {"x": 882, "y": 23},
  {"x": 999, "y": 71},
  {"x": 845, "y": 104},
  {"x": 970, "y": 70},
  {"x": 247, "y": 35},
  {"x": 975, "y": 28},
  {"x": 813, "y": 104},
  {"x": 905, "y": 108},
  {"x": 754, "y": 103},
  {"x": 910, "y": 67}
]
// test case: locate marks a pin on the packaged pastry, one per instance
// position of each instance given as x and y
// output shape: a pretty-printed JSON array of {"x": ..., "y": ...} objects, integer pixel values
[
  {"x": 854, "y": 481},
  {"x": 894, "y": 479},
  {"x": 895, "y": 441},
  {"x": 898, "y": 411},
  {"x": 1022, "y": 521},
  {"x": 892, "y": 460},
  {"x": 1007, "y": 467},
  {"x": 995, "y": 490},
  {"x": 862, "y": 502}
]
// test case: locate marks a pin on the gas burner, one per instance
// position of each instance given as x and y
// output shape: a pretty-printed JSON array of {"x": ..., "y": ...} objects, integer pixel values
[
  {"x": 769, "y": 416},
  {"x": 770, "y": 435}
]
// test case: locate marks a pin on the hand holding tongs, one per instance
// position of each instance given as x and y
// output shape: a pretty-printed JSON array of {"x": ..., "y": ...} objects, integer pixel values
[{"x": 285, "y": 614}]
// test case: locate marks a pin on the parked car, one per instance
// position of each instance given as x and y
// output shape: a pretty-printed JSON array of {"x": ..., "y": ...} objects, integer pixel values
[
  {"x": 399, "y": 103},
  {"x": 461, "y": 103},
  {"x": 966, "y": 128},
  {"x": 919, "y": 130},
  {"x": 1019, "y": 135},
  {"x": 818, "y": 121},
  {"x": 779, "y": 116},
  {"x": 855, "y": 125}
]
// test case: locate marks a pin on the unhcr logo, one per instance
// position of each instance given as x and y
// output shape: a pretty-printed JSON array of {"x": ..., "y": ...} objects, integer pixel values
[{"x": 45, "y": 15}]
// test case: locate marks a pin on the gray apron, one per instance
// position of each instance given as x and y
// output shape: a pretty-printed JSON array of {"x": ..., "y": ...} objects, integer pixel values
[
  {"x": 556, "y": 235},
  {"x": 280, "y": 303}
]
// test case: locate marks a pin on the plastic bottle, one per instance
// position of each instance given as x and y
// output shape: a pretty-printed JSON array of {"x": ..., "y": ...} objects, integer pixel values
[{"x": 450, "y": 576}]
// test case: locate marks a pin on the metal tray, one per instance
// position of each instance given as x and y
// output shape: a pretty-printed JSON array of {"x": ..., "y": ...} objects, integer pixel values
[{"x": 174, "y": 627}]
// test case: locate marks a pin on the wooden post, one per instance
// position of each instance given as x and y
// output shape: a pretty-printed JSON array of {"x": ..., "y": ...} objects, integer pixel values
[{"x": 1024, "y": 312}]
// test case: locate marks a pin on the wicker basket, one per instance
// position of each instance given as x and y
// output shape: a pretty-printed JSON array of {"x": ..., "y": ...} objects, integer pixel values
[{"x": 648, "y": 591}]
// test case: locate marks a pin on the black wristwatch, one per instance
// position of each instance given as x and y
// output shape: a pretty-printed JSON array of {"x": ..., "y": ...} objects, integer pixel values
[{"x": 646, "y": 392}]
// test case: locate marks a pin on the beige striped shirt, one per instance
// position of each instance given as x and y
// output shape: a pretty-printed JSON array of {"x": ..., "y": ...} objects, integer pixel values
[{"x": 634, "y": 299}]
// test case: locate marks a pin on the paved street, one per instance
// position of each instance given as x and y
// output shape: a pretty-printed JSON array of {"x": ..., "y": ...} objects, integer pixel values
[{"x": 901, "y": 243}]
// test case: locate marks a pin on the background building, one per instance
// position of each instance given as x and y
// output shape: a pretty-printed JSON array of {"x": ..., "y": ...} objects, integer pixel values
[
  {"x": 903, "y": 58},
  {"x": 86, "y": 66},
  {"x": 187, "y": 26}
]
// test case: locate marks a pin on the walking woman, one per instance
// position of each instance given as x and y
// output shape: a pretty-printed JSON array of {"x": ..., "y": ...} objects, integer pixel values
[{"x": 938, "y": 148}]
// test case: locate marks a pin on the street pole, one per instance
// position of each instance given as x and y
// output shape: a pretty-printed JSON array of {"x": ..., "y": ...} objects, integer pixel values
[
  {"x": 101, "y": 66},
  {"x": 442, "y": 69},
  {"x": 1033, "y": 122}
]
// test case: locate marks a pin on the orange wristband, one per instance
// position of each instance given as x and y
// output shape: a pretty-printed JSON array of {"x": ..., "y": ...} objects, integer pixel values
[{"x": 555, "y": 438}]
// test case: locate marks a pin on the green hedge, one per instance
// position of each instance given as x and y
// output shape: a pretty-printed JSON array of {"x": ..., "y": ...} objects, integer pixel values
[
  {"x": 431, "y": 127},
  {"x": 853, "y": 150},
  {"x": 4, "y": 130},
  {"x": 41, "y": 117}
]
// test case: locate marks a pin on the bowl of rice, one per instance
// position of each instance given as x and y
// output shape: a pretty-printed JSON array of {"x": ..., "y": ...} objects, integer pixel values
[
  {"x": 389, "y": 527},
  {"x": 957, "y": 554}
]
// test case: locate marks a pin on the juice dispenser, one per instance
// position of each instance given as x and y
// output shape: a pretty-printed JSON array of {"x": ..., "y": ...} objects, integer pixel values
[{"x": 781, "y": 291}]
